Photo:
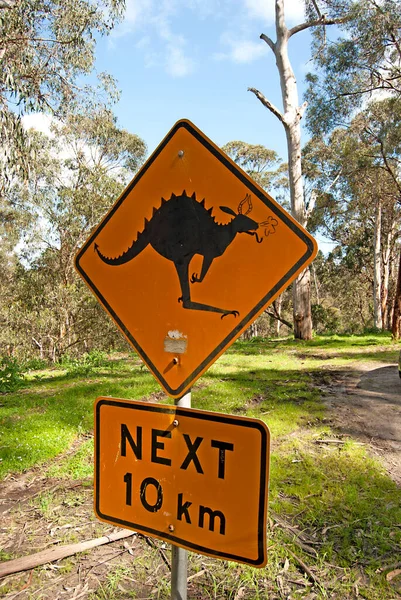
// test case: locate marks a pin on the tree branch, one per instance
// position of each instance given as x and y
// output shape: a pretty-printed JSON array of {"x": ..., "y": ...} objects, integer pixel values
[
  {"x": 287, "y": 323},
  {"x": 268, "y": 104},
  {"x": 388, "y": 167},
  {"x": 276, "y": 315},
  {"x": 28, "y": 40},
  {"x": 31, "y": 561},
  {"x": 359, "y": 93},
  {"x": 311, "y": 204},
  {"x": 315, "y": 23},
  {"x": 317, "y": 9},
  {"x": 301, "y": 110},
  {"x": 268, "y": 41}
]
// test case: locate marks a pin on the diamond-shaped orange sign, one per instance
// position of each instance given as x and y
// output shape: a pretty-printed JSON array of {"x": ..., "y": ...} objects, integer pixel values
[{"x": 190, "y": 254}]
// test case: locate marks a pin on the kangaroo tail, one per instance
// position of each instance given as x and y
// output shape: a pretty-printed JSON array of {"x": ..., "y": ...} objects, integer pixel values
[{"x": 137, "y": 246}]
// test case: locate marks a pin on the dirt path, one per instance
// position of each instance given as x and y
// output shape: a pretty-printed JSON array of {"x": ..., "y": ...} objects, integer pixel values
[{"x": 365, "y": 403}]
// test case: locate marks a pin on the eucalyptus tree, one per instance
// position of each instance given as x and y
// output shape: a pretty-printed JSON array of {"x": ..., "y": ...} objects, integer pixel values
[
  {"x": 78, "y": 172},
  {"x": 367, "y": 31},
  {"x": 290, "y": 116},
  {"x": 360, "y": 63},
  {"x": 355, "y": 173},
  {"x": 380, "y": 131},
  {"x": 259, "y": 162},
  {"x": 46, "y": 46},
  {"x": 343, "y": 281}
]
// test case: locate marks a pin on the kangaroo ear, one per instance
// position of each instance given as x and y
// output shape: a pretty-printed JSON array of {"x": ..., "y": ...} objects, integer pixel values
[
  {"x": 228, "y": 210},
  {"x": 246, "y": 204}
]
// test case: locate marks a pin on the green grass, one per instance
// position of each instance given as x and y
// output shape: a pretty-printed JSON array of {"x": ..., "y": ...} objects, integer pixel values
[
  {"x": 77, "y": 465},
  {"x": 325, "y": 487},
  {"x": 269, "y": 379},
  {"x": 41, "y": 421},
  {"x": 338, "y": 497}
]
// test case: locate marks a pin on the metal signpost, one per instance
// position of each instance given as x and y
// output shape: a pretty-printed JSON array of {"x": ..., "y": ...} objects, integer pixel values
[
  {"x": 191, "y": 253},
  {"x": 179, "y": 556}
]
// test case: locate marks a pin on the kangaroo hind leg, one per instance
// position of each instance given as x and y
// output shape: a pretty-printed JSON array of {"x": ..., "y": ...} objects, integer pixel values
[{"x": 182, "y": 271}]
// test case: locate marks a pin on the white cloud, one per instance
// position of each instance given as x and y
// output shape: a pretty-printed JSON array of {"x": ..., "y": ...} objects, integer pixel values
[
  {"x": 245, "y": 51},
  {"x": 175, "y": 56},
  {"x": 260, "y": 9},
  {"x": 164, "y": 43},
  {"x": 241, "y": 51},
  {"x": 137, "y": 10},
  {"x": 43, "y": 123},
  {"x": 177, "y": 63},
  {"x": 160, "y": 45},
  {"x": 137, "y": 14}
]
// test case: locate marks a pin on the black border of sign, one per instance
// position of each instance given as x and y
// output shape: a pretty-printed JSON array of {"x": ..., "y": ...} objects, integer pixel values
[
  {"x": 280, "y": 213},
  {"x": 194, "y": 414}
]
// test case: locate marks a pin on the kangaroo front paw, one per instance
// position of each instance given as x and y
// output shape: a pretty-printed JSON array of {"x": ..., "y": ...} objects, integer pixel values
[
  {"x": 195, "y": 278},
  {"x": 181, "y": 299},
  {"x": 230, "y": 312}
]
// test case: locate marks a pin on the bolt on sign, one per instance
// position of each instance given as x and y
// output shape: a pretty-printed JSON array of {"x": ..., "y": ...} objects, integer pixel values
[
  {"x": 196, "y": 479},
  {"x": 190, "y": 254}
]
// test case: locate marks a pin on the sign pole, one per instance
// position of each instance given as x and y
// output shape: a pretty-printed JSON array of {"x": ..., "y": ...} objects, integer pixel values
[{"x": 179, "y": 556}]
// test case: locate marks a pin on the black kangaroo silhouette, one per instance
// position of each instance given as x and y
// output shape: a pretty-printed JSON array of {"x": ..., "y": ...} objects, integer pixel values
[{"x": 182, "y": 227}]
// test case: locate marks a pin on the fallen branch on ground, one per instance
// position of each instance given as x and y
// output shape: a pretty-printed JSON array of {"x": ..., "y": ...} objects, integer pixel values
[
  {"x": 341, "y": 442},
  {"x": 299, "y": 538},
  {"x": 46, "y": 556}
]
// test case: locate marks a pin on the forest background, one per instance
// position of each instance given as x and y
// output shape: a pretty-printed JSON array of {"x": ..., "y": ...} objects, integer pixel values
[{"x": 55, "y": 188}]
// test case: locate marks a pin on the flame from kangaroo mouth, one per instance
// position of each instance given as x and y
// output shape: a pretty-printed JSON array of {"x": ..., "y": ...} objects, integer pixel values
[{"x": 259, "y": 241}]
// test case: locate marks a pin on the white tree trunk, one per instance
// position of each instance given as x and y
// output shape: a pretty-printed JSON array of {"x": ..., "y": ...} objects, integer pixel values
[
  {"x": 387, "y": 268},
  {"x": 291, "y": 120},
  {"x": 377, "y": 269},
  {"x": 395, "y": 328}
]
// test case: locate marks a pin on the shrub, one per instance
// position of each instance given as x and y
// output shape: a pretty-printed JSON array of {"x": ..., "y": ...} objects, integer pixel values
[
  {"x": 85, "y": 364},
  {"x": 35, "y": 364},
  {"x": 326, "y": 320},
  {"x": 11, "y": 375}
]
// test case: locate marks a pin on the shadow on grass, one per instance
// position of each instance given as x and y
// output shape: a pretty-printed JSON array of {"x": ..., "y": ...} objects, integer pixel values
[
  {"x": 329, "y": 343},
  {"x": 342, "y": 499},
  {"x": 111, "y": 373},
  {"x": 62, "y": 407},
  {"x": 378, "y": 355},
  {"x": 306, "y": 353},
  {"x": 282, "y": 399}
]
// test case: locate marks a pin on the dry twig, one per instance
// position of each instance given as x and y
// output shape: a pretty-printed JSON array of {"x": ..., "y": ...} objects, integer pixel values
[{"x": 47, "y": 556}]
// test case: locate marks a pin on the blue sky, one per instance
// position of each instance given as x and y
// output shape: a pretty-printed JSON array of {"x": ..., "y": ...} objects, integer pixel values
[{"x": 195, "y": 59}]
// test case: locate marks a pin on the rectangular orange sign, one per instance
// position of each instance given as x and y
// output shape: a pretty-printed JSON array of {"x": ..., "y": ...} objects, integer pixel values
[{"x": 196, "y": 479}]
